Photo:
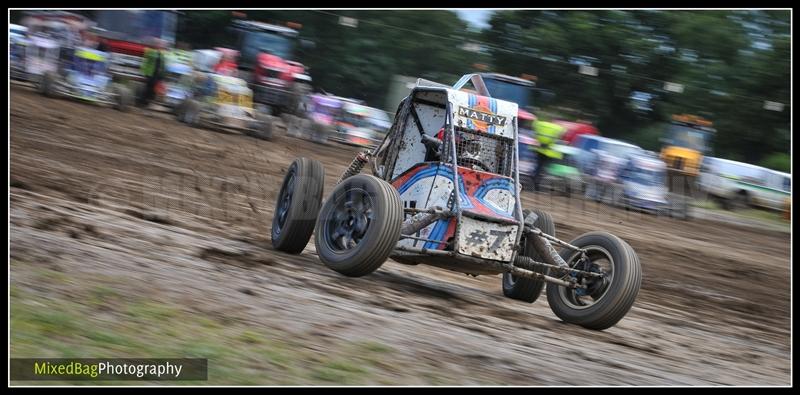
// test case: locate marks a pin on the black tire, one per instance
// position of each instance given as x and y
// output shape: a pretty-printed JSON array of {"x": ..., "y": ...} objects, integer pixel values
[
  {"x": 526, "y": 289},
  {"x": 303, "y": 183},
  {"x": 292, "y": 124},
  {"x": 191, "y": 112},
  {"x": 47, "y": 84},
  {"x": 723, "y": 202},
  {"x": 359, "y": 225},
  {"x": 266, "y": 127},
  {"x": 123, "y": 97},
  {"x": 740, "y": 201},
  {"x": 138, "y": 92},
  {"x": 320, "y": 133},
  {"x": 613, "y": 300},
  {"x": 179, "y": 111},
  {"x": 679, "y": 209},
  {"x": 299, "y": 91}
]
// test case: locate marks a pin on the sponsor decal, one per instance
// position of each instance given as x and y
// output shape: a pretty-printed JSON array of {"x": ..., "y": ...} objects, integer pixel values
[{"x": 482, "y": 117}]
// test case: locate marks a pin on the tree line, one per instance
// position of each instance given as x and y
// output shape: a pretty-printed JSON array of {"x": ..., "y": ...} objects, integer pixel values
[{"x": 728, "y": 63}]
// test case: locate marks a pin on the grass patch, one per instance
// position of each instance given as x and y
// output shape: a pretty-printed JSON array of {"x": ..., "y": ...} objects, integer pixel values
[
  {"x": 706, "y": 204},
  {"x": 340, "y": 372},
  {"x": 59, "y": 325},
  {"x": 51, "y": 276},
  {"x": 763, "y": 215},
  {"x": 375, "y": 347}
]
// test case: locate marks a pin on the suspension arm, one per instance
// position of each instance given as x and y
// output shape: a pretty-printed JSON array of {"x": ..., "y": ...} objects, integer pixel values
[
  {"x": 553, "y": 239},
  {"x": 517, "y": 271},
  {"x": 528, "y": 263}
]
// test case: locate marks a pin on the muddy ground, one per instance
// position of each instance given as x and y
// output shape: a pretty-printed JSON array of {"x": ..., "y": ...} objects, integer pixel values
[{"x": 156, "y": 209}]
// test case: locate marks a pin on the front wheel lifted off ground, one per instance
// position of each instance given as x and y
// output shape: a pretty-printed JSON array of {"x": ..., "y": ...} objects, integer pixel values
[
  {"x": 359, "y": 225},
  {"x": 298, "y": 204},
  {"x": 605, "y": 300}
]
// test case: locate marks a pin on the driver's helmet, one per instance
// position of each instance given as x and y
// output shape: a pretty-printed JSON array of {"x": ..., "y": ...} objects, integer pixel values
[{"x": 468, "y": 147}]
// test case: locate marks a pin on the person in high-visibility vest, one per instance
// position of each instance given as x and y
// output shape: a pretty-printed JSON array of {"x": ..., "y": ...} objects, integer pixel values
[
  {"x": 547, "y": 134},
  {"x": 153, "y": 68}
]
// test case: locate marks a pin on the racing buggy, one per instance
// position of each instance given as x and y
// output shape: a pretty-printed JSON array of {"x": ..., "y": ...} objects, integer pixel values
[
  {"x": 318, "y": 114},
  {"x": 221, "y": 102},
  {"x": 175, "y": 87},
  {"x": 87, "y": 79},
  {"x": 444, "y": 191}
]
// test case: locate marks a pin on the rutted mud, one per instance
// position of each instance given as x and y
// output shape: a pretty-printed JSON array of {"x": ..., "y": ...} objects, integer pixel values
[{"x": 184, "y": 214}]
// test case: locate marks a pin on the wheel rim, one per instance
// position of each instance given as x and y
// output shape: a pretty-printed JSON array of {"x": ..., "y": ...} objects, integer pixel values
[
  {"x": 349, "y": 220},
  {"x": 285, "y": 201},
  {"x": 597, "y": 287}
]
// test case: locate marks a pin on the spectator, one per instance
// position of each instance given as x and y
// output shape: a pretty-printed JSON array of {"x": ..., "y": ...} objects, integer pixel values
[
  {"x": 153, "y": 67},
  {"x": 547, "y": 133}
]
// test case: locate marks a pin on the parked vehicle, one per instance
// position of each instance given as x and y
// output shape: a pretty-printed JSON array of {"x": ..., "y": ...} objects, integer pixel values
[
  {"x": 222, "y": 102},
  {"x": 643, "y": 182},
  {"x": 318, "y": 118},
  {"x": 575, "y": 129},
  {"x": 739, "y": 185},
  {"x": 268, "y": 63},
  {"x": 687, "y": 141},
  {"x": 177, "y": 83},
  {"x": 39, "y": 54},
  {"x": 600, "y": 161},
  {"x": 87, "y": 80},
  {"x": 17, "y": 46},
  {"x": 560, "y": 175},
  {"x": 444, "y": 191},
  {"x": 589, "y": 145},
  {"x": 360, "y": 125},
  {"x": 563, "y": 175},
  {"x": 49, "y": 45}
]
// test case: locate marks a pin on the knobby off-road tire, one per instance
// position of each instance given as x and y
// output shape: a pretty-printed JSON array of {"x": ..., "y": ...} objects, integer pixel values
[
  {"x": 298, "y": 203},
  {"x": 359, "y": 225},
  {"x": 526, "y": 289},
  {"x": 617, "y": 297}
]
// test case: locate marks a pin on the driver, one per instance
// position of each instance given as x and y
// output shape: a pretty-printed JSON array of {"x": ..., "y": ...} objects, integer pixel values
[{"x": 468, "y": 150}]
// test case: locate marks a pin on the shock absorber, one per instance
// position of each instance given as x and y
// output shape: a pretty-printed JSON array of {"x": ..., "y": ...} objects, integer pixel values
[{"x": 355, "y": 166}]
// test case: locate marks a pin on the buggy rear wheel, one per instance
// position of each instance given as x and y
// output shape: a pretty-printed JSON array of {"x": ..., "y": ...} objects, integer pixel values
[
  {"x": 606, "y": 299},
  {"x": 359, "y": 225},
  {"x": 526, "y": 289},
  {"x": 298, "y": 204}
]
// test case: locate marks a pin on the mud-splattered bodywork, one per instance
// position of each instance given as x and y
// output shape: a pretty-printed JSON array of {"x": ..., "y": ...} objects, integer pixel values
[{"x": 438, "y": 129}]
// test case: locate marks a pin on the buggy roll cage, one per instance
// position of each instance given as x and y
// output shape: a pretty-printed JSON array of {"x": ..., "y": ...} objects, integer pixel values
[{"x": 455, "y": 210}]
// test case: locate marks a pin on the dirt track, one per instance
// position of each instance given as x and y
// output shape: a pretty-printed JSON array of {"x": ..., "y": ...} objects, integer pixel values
[{"x": 184, "y": 214}]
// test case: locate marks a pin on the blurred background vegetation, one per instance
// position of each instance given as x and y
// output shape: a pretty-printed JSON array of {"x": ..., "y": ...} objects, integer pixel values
[{"x": 728, "y": 63}]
